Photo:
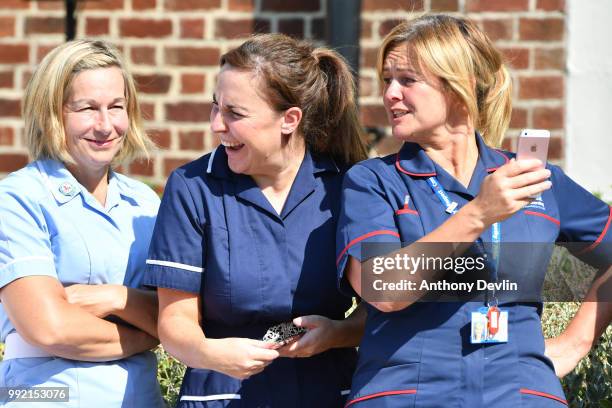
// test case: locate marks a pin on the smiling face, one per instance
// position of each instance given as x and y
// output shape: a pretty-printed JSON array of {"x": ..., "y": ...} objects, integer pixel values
[
  {"x": 415, "y": 104},
  {"x": 95, "y": 119},
  {"x": 246, "y": 124}
]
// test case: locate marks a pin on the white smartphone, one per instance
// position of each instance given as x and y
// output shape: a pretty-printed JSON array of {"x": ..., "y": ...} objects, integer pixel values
[{"x": 533, "y": 144}]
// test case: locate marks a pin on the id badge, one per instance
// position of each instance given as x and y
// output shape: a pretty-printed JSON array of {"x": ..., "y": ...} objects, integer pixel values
[{"x": 489, "y": 325}]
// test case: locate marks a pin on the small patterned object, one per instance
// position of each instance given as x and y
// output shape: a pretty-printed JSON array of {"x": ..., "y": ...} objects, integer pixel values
[
  {"x": 283, "y": 333},
  {"x": 67, "y": 189}
]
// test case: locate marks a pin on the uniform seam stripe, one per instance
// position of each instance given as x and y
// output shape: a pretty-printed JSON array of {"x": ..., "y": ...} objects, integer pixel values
[
  {"x": 381, "y": 394},
  {"x": 539, "y": 214},
  {"x": 214, "y": 397},
  {"x": 177, "y": 265},
  {"x": 600, "y": 237},
  {"x": 543, "y": 394},
  {"x": 361, "y": 238},
  {"x": 210, "y": 161},
  {"x": 26, "y": 258}
]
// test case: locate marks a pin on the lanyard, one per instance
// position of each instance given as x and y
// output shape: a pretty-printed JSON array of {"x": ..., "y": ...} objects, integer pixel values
[{"x": 451, "y": 208}]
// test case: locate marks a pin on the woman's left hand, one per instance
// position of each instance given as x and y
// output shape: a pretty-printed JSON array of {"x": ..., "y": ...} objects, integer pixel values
[
  {"x": 99, "y": 300},
  {"x": 321, "y": 336},
  {"x": 563, "y": 353}
]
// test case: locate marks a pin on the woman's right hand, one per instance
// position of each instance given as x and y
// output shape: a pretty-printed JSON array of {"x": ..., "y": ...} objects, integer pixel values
[
  {"x": 239, "y": 357},
  {"x": 509, "y": 189}
]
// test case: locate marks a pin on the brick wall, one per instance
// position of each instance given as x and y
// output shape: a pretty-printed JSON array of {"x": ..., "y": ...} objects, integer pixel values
[{"x": 174, "y": 46}]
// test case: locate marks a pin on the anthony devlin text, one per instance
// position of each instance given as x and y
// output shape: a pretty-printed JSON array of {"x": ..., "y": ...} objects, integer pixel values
[{"x": 443, "y": 285}]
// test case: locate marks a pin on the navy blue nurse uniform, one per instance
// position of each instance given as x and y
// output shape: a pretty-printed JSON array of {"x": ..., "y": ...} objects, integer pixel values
[
  {"x": 422, "y": 356},
  {"x": 217, "y": 235}
]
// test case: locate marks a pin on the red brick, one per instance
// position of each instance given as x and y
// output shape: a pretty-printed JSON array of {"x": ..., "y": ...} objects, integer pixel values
[
  {"x": 10, "y": 108},
  {"x": 7, "y": 135},
  {"x": 143, "y": 167},
  {"x": 518, "y": 119},
  {"x": 145, "y": 28},
  {"x": 444, "y": 5},
  {"x": 508, "y": 143},
  {"x": 192, "y": 83},
  {"x": 498, "y": 29},
  {"x": 542, "y": 87},
  {"x": 143, "y": 55},
  {"x": 555, "y": 148},
  {"x": 239, "y": 28},
  {"x": 101, "y": 4},
  {"x": 25, "y": 78},
  {"x": 50, "y": 5},
  {"x": 497, "y": 5},
  {"x": 143, "y": 4},
  {"x": 7, "y": 26},
  {"x": 172, "y": 163},
  {"x": 541, "y": 29},
  {"x": 191, "y": 140},
  {"x": 161, "y": 137},
  {"x": 148, "y": 111},
  {"x": 366, "y": 29},
  {"x": 367, "y": 86},
  {"x": 190, "y": 5},
  {"x": 14, "y": 4},
  {"x": 13, "y": 53},
  {"x": 368, "y": 57},
  {"x": 551, "y": 5},
  {"x": 192, "y": 28},
  {"x": 188, "y": 111},
  {"x": 43, "y": 50},
  {"x": 192, "y": 56},
  {"x": 241, "y": 5},
  {"x": 406, "y": 5},
  {"x": 293, "y": 27},
  {"x": 318, "y": 29},
  {"x": 387, "y": 26},
  {"x": 6, "y": 79},
  {"x": 11, "y": 162},
  {"x": 290, "y": 6},
  {"x": 97, "y": 26},
  {"x": 44, "y": 25},
  {"x": 548, "y": 118},
  {"x": 549, "y": 58},
  {"x": 373, "y": 115},
  {"x": 517, "y": 58},
  {"x": 153, "y": 83}
]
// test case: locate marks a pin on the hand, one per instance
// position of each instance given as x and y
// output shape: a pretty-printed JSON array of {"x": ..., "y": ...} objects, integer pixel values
[
  {"x": 320, "y": 337},
  {"x": 564, "y": 354},
  {"x": 506, "y": 191},
  {"x": 99, "y": 300},
  {"x": 241, "y": 358}
]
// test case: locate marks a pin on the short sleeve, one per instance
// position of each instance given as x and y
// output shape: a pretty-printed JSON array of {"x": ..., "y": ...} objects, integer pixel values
[
  {"x": 177, "y": 250},
  {"x": 584, "y": 218},
  {"x": 25, "y": 244},
  {"x": 366, "y": 216}
]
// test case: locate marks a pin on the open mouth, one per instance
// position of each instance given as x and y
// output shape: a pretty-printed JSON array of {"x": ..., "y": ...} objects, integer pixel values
[
  {"x": 102, "y": 143},
  {"x": 232, "y": 146},
  {"x": 399, "y": 113}
]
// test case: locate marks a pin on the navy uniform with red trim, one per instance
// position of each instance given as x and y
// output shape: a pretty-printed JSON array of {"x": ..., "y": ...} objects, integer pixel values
[
  {"x": 218, "y": 236},
  {"x": 422, "y": 356}
]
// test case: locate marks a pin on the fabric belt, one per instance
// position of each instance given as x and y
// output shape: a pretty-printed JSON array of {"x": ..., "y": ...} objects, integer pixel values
[{"x": 16, "y": 347}]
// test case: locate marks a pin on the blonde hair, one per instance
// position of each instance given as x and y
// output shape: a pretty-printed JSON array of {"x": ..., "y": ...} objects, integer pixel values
[
  {"x": 49, "y": 88},
  {"x": 316, "y": 80},
  {"x": 456, "y": 51}
]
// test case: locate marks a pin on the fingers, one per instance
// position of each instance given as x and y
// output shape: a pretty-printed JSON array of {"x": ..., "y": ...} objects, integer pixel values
[
  {"x": 529, "y": 178},
  {"x": 515, "y": 167},
  {"x": 527, "y": 192}
]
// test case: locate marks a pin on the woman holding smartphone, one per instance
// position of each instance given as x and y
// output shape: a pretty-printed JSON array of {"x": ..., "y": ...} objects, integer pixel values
[
  {"x": 447, "y": 95},
  {"x": 245, "y": 235}
]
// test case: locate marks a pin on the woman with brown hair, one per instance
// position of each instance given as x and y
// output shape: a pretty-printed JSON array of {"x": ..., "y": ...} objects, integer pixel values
[
  {"x": 447, "y": 95},
  {"x": 246, "y": 234}
]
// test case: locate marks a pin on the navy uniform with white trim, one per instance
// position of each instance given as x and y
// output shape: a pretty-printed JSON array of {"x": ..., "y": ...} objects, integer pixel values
[
  {"x": 50, "y": 225},
  {"x": 422, "y": 356},
  {"x": 218, "y": 236}
]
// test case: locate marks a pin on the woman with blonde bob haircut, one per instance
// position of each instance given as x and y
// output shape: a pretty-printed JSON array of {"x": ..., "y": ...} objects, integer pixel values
[
  {"x": 73, "y": 239},
  {"x": 447, "y": 95}
]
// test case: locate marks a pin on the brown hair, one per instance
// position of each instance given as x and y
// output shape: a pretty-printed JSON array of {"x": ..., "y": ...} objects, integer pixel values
[
  {"x": 455, "y": 50},
  {"x": 49, "y": 88},
  {"x": 316, "y": 80}
]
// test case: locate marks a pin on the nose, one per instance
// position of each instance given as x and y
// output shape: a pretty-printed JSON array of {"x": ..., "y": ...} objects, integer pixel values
[
  {"x": 393, "y": 91},
  {"x": 103, "y": 123},
  {"x": 217, "y": 124}
]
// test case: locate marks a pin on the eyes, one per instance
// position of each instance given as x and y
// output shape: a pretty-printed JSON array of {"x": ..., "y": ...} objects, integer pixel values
[
  {"x": 88, "y": 108},
  {"x": 403, "y": 80},
  {"x": 227, "y": 110}
]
